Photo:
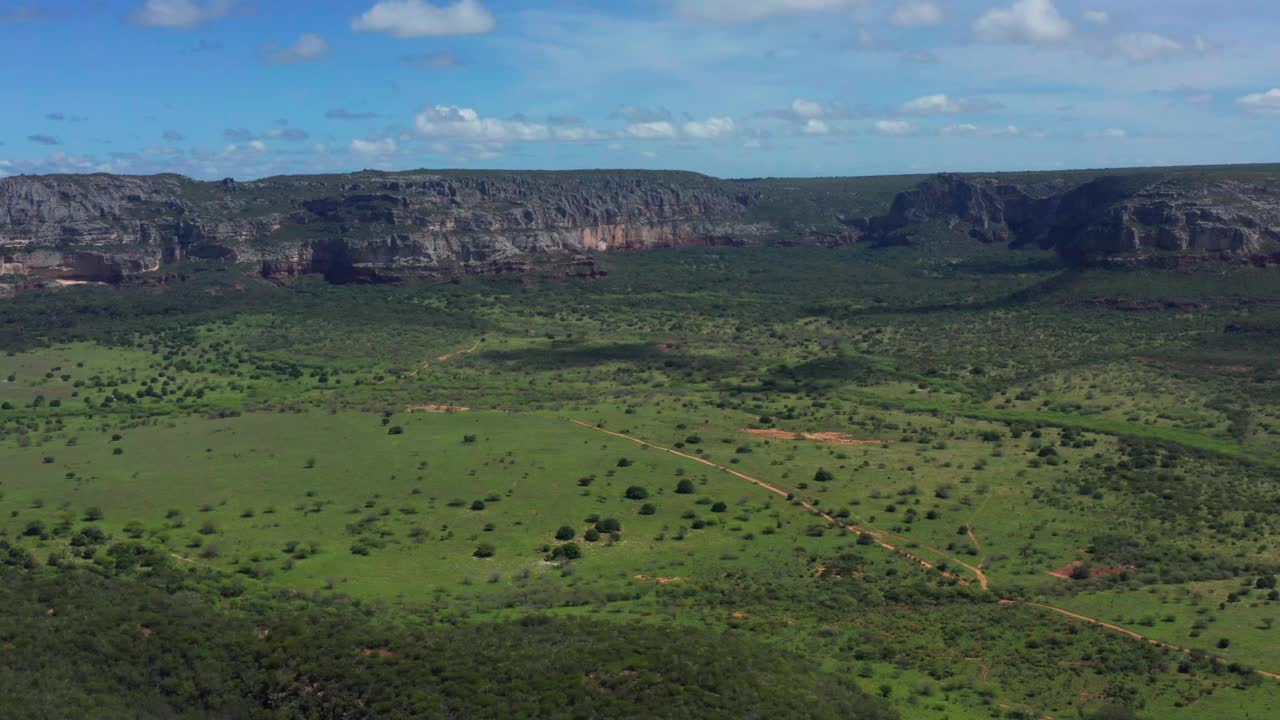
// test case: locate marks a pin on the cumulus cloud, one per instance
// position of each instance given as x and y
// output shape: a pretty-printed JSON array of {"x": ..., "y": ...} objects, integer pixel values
[
  {"x": 44, "y": 139},
  {"x": 451, "y": 121},
  {"x": 180, "y": 14},
  {"x": 172, "y": 136},
  {"x": 814, "y": 126},
  {"x": 309, "y": 47},
  {"x": 917, "y": 12},
  {"x": 431, "y": 61},
  {"x": 893, "y": 127},
  {"x": 418, "y": 18},
  {"x": 970, "y": 130},
  {"x": 750, "y": 10},
  {"x": 1025, "y": 22},
  {"x": 711, "y": 128},
  {"x": 383, "y": 147},
  {"x": 239, "y": 135},
  {"x": 656, "y": 130},
  {"x": 806, "y": 108},
  {"x": 1262, "y": 102},
  {"x": 1097, "y": 17},
  {"x": 342, "y": 113},
  {"x": 290, "y": 134},
  {"x": 1146, "y": 47},
  {"x": 942, "y": 104}
]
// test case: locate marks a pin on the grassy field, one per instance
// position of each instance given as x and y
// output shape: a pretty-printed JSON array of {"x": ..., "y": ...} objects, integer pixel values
[{"x": 991, "y": 421}]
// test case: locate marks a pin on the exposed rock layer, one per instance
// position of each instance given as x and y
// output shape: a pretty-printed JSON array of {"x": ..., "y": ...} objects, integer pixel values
[
  {"x": 104, "y": 227},
  {"x": 372, "y": 225},
  {"x": 1130, "y": 215}
]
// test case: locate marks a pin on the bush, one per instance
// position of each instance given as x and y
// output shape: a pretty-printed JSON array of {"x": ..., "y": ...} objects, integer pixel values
[
  {"x": 485, "y": 550},
  {"x": 719, "y": 507},
  {"x": 609, "y": 525},
  {"x": 395, "y": 430},
  {"x": 477, "y": 505},
  {"x": 565, "y": 533},
  {"x": 591, "y": 535},
  {"x": 635, "y": 492},
  {"x": 93, "y": 514},
  {"x": 685, "y": 487},
  {"x": 648, "y": 509},
  {"x": 567, "y": 551},
  {"x": 823, "y": 475},
  {"x": 624, "y": 462}
]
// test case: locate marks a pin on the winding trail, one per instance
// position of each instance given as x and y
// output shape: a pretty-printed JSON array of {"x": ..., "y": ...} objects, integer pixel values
[
  {"x": 446, "y": 356},
  {"x": 880, "y": 539}
]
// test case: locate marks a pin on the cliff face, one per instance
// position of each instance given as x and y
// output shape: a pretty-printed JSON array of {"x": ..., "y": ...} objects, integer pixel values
[
  {"x": 1132, "y": 215},
  {"x": 101, "y": 227},
  {"x": 372, "y": 225}
]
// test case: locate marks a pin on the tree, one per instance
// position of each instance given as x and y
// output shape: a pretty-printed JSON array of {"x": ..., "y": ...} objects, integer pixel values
[
  {"x": 591, "y": 535},
  {"x": 635, "y": 492},
  {"x": 648, "y": 509},
  {"x": 719, "y": 507},
  {"x": 624, "y": 462},
  {"x": 93, "y": 514},
  {"x": 567, "y": 551},
  {"x": 1224, "y": 643},
  {"x": 477, "y": 505},
  {"x": 823, "y": 475},
  {"x": 609, "y": 525},
  {"x": 485, "y": 550},
  {"x": 1080, "y": 572},
  {"x": 565, "y": 533},
  {"x": 685, "y": 487}
]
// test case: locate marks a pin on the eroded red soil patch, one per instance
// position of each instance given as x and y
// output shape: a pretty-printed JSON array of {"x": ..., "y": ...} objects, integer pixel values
[
  {"x": 829, "y": 438},
  {"x": 661, "y": 580},
  {"x": 437, "y": 408}
]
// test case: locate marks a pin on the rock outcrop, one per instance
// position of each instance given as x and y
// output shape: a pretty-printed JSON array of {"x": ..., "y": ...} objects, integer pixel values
[
  {"x": 1133, "y": 215},
  {"x": 360, "y": 226}
]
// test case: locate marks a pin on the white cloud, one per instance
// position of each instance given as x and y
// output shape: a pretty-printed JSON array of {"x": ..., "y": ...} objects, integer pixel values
[
  {"x": 307, "y": 48},
  {"x": 1097, "y": 17},
  {"x": 656, "y": 130},
  {"x": 418, "y": 18},
  {"x": 893, "y": 127},
  {"x": 576, "y": 133},
  {"x": 946, "y": 105},
  {"x": 1113, "y": 133},
  {"x": 711, "y": 128},
  {"x": 749, "y": 10},
  {"x": 385, "y": 146},
  {"x": 180, "y": 14},
  {"x": 1146, "y": 46},
  {"x": 1264, "y": 102},
  {"x": 452, "y": 121},
  {"x": 816, "y": 127},
  {"x": 1025, "y": 22},
  {"x": 806, "y": 108},
  {"x": 917, "y": 12},
  {"x": 286, "y": 133},
  {"x": 254, "y": 145},
  {"x": 970, "y": 130}
]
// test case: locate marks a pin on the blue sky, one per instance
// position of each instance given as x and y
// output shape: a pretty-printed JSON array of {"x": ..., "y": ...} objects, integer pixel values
[{"x": 734, "y": 88}]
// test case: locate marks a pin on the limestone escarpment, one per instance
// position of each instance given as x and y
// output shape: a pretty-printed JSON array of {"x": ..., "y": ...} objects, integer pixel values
[
  {"x": 103, "y": 227},
  {"x": 1130, "y": 215}
]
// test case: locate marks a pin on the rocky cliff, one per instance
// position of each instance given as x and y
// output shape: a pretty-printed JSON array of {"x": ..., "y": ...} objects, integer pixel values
[
  {"x": 1132, "y": 215},
  {"x": 104, "y": 228},
  {"x": 374, "y": 225}
]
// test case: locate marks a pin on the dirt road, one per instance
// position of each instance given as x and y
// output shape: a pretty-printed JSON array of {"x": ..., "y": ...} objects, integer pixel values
[{"x": 876, "y": 534}]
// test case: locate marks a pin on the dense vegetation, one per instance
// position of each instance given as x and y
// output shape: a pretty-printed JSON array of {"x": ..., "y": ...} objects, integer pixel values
[{"x": 954, "y": 443}]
